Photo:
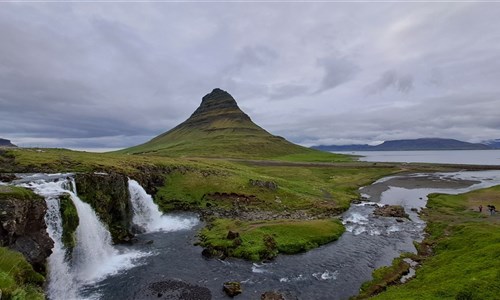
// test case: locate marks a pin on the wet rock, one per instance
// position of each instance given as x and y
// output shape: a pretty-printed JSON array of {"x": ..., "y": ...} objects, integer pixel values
[
  {"x": 7, "y": 177},
  {"x": 210, "y": 252},
  {"x": 277, "y": 295},
  {"x": 173, "y": 290},
  {"x": 395, "y": 211},
  {"x": 22, "y": 225},
  {"x": 272, "y": 296},
  {"x": 413, "y": 209},
  {"x": 400, "y": 220},
  {"x": 232, "y": 288},
  {"x": 273, "y": 186},
  {"x": 109, "y": 196}
]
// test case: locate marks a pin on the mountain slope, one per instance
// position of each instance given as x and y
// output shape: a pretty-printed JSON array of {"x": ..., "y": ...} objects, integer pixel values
[
  {"x": 219, "y": 128},
  {"x": 408, "y": 145}
]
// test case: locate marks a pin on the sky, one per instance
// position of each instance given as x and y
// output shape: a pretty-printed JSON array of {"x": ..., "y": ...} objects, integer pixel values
[{"x": 91, "y": 75}]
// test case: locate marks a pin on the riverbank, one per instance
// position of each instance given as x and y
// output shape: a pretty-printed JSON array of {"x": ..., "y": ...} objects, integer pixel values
[{"x": 458, "y": 258}]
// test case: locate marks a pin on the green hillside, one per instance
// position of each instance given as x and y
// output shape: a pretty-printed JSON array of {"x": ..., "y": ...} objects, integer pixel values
[{"x": 219, "y": 128}]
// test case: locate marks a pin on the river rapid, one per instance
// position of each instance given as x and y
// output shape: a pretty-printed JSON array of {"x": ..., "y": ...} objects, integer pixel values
[{"x": 333, "y": 271}]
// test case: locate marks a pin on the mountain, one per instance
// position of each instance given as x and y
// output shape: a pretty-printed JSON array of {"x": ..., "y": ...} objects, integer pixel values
[
  {"x": 6, "y": 143},
  {"x": 493, "y": 143},
  {"x": 408, "y": 145},
  {"x": 219, "y": 128}
]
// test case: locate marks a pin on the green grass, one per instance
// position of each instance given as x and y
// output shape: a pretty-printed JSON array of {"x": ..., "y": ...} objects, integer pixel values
[
  {"x": 265, "y": 239},
  {"x": 14, "y": 192},
  {"x": 18, "y": 280},
  {"x": 465, "y": 262}
]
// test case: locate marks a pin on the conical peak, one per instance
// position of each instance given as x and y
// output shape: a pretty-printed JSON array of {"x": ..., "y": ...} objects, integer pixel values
[{"x": 217, "y": 100}]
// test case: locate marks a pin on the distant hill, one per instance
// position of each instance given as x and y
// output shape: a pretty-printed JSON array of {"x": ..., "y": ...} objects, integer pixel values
[
  {"x": 219, "y": 128},
  {"x": 6, "y": 143},
  {"x": 408, "y": 145},
  {"x": 493, "y": 143}
]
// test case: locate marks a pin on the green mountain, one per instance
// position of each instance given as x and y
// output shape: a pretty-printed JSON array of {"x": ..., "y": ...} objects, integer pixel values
[{"x": 219, "y": 128}]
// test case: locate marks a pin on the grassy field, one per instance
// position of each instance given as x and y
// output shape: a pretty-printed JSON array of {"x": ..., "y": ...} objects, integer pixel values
[{"x": 461, "y": 255}]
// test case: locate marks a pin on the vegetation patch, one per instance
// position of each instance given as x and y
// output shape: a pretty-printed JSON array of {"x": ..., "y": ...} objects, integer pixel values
[
  {"x": 460, "y": 254},
  {"x": 70, "y": 221},
  {"x": 259, "y": 240},
  {"x": 18, "y": 280}
]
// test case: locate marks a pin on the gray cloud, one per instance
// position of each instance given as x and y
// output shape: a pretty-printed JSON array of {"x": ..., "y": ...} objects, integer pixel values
[{"x": 113, "y": 75}]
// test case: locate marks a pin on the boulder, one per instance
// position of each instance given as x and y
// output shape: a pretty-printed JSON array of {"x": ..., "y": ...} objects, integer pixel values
[
  {"x": 232, "y": 288},
  {"x": 395, "y": 211}
]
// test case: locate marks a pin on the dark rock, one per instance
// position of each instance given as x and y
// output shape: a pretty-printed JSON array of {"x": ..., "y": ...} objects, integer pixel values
[
  {"x": 7, "y": 177},
  {"x": 414, "y": 209},
  {"x": 109, "y": 196},
  {"x": 231, "y": 235},
  {"x": 22, "y": 225},
  {"x": 210, "y": 252},
  {"x": 150, "y": 242},
  {"x": 232, "y": 288},
  {"x": 272, "y": 296},
  {"x": 264, "y": 184},
  {"x": 395, "y": 211},
  {"x": 173, "y": 289},
  {"x": 399, "y": 220}
]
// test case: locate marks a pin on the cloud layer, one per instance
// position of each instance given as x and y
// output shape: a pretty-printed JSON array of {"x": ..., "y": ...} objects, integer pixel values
[{"x": 110, "y": 75}]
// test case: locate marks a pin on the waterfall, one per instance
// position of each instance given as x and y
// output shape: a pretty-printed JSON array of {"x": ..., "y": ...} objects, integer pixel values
[
  {"x": 93, "y": 257},
  {"x": 147, "y": 215}
]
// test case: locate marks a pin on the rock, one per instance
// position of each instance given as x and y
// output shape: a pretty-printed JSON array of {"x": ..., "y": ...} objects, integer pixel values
[
  {"x": 413, "y": 209},
  {"x": 395, "y": 211},
  {"x": 272, "y": 296},
  {"x": 264, "y": 184},
  {"x": 399, "y": 220},
  {"x": 173, "y": 289},
  {"x": 109, "y": 196},
  {"x": 22, "y": 226},
  {"x": 232, "y": 288},
  {"x": 231, "y": 235},
  {"x": 7, "y": 177}
]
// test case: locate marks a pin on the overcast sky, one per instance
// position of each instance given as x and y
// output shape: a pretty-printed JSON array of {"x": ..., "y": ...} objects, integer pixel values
[{"x": 110, "y": 75}]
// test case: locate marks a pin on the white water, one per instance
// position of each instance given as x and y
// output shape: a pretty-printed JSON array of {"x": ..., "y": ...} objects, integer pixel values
[
  {"x": 147, "y": 215},
  {"x": 93, "y": 257}
]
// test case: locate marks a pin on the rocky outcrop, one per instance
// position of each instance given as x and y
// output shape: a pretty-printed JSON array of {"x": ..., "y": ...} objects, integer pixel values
[
  {"x": 109, "y": 196},
  {"x": 395, "y": 211},
  {"x": 271, "y": 185},
  {"x": 22, "y": 225},
  {"x": 232, "y": 288},
  {"x": 173, "y": 289}
]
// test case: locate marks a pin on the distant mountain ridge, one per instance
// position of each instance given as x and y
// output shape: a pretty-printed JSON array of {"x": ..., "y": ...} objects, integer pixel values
[
  {"x": 493, "y": 143},
  {"x": 409, "y": 145},
  {"x": 6, "y": 143}
]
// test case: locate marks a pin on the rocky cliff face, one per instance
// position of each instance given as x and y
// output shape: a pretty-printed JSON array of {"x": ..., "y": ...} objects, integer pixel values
[
  {"x": 22, "y": 225},
  {"x": 109, "y": 196}
]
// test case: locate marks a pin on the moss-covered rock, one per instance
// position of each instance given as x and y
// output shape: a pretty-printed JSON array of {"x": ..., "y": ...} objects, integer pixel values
[
  {"x": 109, "y": 196},
  {"x": 22, "y": 225},
  {"x": 70, "y": 221}
]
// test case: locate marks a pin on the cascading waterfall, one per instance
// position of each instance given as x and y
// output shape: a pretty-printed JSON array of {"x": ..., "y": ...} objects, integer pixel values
[
  {"x": 93, "y": 257},
  {"x": 147, "y": 215}
]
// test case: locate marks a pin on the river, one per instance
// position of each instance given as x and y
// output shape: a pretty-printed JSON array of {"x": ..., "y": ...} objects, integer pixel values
[{"x": 333, "y": 271}]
